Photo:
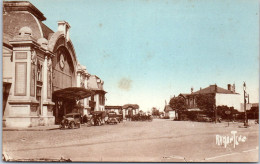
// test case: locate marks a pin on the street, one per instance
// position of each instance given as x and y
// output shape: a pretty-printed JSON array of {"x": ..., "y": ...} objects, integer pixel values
[{"x": 157, "y": 141}]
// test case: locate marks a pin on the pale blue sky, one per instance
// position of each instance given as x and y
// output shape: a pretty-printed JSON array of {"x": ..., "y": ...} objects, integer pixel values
[{"x": 160, "y": 48}]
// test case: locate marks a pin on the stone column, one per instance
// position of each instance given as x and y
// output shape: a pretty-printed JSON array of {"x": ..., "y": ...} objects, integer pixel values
[
  {"x": 78, "y": 79},
  {"x": 44, "y": 86}
]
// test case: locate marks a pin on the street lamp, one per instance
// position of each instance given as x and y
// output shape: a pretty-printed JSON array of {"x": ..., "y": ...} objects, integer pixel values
[{"x": 245, "y": 121}]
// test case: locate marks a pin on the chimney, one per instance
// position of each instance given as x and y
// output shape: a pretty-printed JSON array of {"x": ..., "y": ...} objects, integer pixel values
[
  {"x": 234, "y": 88},
  {"x": 64, "y": 27},
  {"x": 229, "y": 87}
]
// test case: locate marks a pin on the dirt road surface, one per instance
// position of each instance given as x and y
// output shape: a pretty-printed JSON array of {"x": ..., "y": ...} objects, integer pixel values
[{"x": 156, "y": 141}]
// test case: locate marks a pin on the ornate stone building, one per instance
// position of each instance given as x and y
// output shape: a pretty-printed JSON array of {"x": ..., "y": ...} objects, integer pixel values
[{"x": 42, "y": 79}]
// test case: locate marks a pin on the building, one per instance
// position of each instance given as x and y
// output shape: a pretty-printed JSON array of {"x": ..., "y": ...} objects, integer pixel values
[
  {"x": 226, "y": 97},
  {"x": 169, "y": 112},
  {"x": 116, "y": 109},
  {"x": 97, "y": 101},
  {"x": 42, "y": 79},
  {"x": 129, "y": 110}
]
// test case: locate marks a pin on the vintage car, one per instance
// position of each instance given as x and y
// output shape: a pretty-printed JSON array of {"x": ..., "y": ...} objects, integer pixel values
[
  {"x": 71, "y": 121},
  {"x": 112, "y": 118},
  {"x": 120, "y": 117}
]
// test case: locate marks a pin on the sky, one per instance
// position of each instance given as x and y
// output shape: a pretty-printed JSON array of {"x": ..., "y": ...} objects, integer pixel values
[{"x": 147, "y": 51}]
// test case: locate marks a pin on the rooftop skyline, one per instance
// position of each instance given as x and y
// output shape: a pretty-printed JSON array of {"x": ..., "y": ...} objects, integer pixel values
[{"x": 147, "y": 51}]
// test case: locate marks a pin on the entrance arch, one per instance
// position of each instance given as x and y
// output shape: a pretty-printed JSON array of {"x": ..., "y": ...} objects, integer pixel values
[
  {"x": 63, "y": 70},
  {"x": 64, "y": 73}
]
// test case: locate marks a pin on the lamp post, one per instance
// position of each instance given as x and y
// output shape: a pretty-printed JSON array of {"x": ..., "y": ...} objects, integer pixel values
[{"x": 245, "y": 121}]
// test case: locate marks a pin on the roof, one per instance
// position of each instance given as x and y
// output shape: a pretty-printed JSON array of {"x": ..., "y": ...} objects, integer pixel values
[
  {"x": 134, "y": 106},
  {"x": 113, "y": 107},
  {"x": 168, "y": 108},
  {"x": 255, "y": 104},
  {"x": 214, "y": 89},
  {"x": 17, "y": 16},
  {"x": 23, "y": 6},
  {"x": 94, "y": 83},
  {"x": 184, "y": 94},
  {"x": 73, "y": 93}
]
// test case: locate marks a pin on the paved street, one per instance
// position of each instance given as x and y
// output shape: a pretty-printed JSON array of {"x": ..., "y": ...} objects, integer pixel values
[{"x": 160, "y": 140}]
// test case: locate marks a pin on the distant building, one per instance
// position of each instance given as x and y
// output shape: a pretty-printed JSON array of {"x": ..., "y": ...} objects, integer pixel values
[
  {"x": 227, "y": 97},
  {"x": 116, "y": 109},
  {"x": 249, "y": 106},
  {"x": 97, "y": 101},
  {"x": 129, "y": 110},
  {"x": 169, "y": 112}
]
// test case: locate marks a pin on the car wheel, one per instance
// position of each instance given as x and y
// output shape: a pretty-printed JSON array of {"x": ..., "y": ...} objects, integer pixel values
[{"x": 72, "y": 125}]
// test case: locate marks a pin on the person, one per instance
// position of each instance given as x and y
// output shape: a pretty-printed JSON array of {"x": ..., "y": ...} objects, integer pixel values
[
  {"x": 85, "y": 119},
  {"x": 63, "y": 122}
]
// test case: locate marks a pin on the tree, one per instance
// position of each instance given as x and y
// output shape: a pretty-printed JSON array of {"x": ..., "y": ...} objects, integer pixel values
[
  {"x": 206, "y": 102},
  {"x": 178, "y": 103},
  {"x": 155, "y": 112}
]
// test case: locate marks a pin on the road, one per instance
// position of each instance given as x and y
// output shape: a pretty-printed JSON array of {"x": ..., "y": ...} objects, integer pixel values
[{"x": 157, "y": 141}]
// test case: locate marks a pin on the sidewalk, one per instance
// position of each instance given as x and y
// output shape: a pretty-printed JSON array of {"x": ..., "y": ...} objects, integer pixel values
[{"x": 36, "y": 128}]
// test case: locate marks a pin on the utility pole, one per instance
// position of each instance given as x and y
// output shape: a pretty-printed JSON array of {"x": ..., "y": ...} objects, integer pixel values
[
  {"x": 215, "y": 108},
  {"x": 245, "y": 121}
]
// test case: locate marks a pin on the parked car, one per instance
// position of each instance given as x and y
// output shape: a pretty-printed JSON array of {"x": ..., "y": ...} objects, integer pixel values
[
  {"x": 112, "y": 118},
  {"x": 120, "y": 117},
  {"x": 203, "y": 118},
  {"x": 71, "y": 121}
]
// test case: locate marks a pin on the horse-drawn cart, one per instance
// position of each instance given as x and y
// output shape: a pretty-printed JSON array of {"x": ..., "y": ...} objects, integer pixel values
[{"x": 97, "y": 117}]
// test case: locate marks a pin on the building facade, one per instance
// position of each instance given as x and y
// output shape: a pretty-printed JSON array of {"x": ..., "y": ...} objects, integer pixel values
[
  {"x": 223, "y": 97},
  {"x": 42, "y": 79},
  {"x": 116, "y": 109},
  {"x": 169, "y": 112}
]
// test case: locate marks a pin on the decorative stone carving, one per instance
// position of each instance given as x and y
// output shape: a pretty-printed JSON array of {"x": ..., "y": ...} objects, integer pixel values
[
  {"x": 33, "y": 57},
  {"x": 49, "y": 64},
  {"x": 39, "y": 71}
]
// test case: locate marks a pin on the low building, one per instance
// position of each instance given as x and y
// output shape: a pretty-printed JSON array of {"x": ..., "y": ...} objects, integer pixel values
[
  {"x": 169, "y": 112},
  {"x": 129, "y": 110},
  {"x": 116, "y": 109},
  {"x": 223, "y": 97}
]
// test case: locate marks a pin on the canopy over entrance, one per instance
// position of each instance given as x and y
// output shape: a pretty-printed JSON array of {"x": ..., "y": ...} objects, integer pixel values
[{"x": 73, "y": 93}]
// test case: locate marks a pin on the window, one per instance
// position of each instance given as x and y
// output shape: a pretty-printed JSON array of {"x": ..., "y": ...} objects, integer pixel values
[{"x": 101, "y": 99}]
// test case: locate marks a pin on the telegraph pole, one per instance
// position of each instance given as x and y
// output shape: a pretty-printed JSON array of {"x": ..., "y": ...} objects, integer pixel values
[{"x": 245, "y": 121}]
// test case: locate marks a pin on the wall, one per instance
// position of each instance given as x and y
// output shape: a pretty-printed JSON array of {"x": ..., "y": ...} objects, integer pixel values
[
  {"x": 172, "y": 114},
  {"x": 230, "y": 100}
]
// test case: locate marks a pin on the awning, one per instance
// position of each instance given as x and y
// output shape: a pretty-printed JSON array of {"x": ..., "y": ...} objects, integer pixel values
[
  {"x": 194, "y": 109},
  {"x": 73, "y": 93},
  {"x": 99, "y": 91}
]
